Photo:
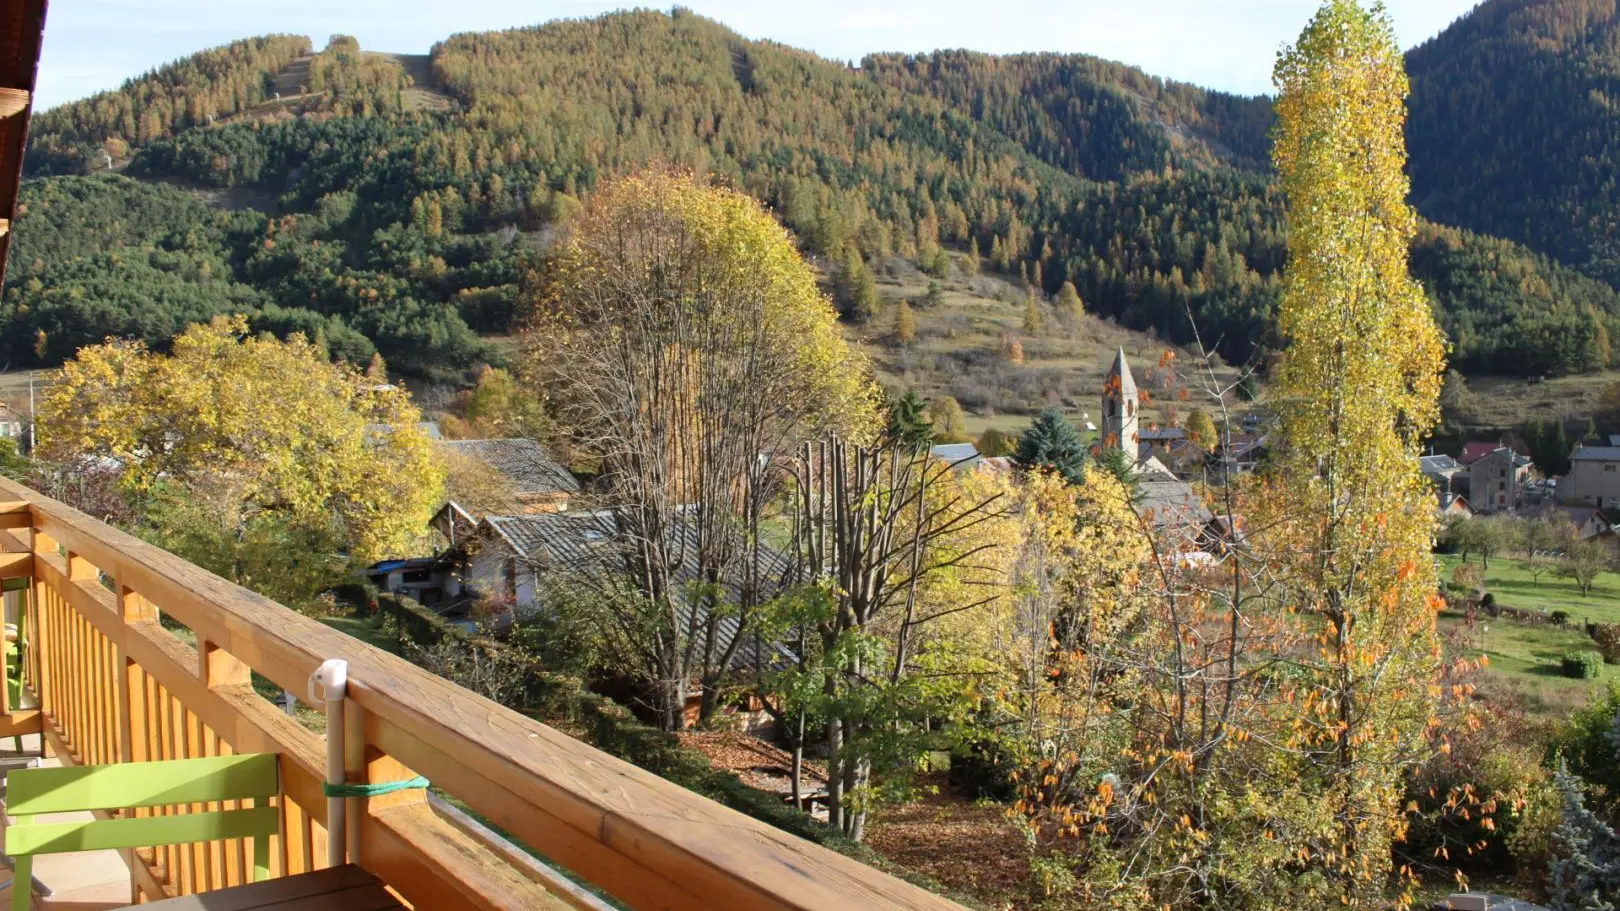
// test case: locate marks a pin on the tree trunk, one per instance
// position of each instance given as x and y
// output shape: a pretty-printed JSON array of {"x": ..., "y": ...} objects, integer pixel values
[
  {"x": 797, "y": 773},
  {"x": 709, "y": 700},
  {"x": 835, "y": 776}
]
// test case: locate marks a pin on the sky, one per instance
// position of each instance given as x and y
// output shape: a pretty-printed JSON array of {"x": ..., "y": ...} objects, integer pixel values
[{"x": 91, "y": 45}]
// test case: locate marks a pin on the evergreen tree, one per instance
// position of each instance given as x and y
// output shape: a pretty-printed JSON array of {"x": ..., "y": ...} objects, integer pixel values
[
  {"x": 856, "y": 288},
  {"x": 1584, "y": 873},
  {"x": 908, "y": 421},
  {"x": 1558, "y": 462},
  {"x": 974, "y": 263},
  {"x": 1051, "y": 443},
  {"x": 1114, "y": 461}
]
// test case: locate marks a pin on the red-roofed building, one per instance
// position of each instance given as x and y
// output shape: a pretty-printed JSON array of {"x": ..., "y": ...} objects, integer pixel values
[{"x": 1473, "y": 452}]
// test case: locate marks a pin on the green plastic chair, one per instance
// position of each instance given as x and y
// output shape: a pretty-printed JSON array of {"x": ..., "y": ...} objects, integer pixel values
[
  {"x": 13, "y": 652},
  {"x": 30, "y": 792}
]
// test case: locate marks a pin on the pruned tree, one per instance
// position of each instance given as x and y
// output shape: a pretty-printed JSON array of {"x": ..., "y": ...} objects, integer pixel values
[{"x": 878, "y": 530}]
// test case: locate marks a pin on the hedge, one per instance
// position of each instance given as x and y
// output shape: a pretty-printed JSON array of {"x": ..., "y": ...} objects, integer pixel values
[{"x": 1582, "y": 665}]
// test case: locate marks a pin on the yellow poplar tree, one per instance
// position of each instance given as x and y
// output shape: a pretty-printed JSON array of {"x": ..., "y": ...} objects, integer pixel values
[
  {"x": 1357, "y": 394},
  {"x": 255, "y": 426}
]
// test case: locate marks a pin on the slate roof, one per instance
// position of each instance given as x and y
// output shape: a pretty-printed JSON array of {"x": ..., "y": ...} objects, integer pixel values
[
  {"x": 1579, "y": 515},
  {"x": 1441, "y": 465},
  {"x": 577, "y": 539},
  {"x": 559, "y": 538},
  {"x": 959, "y": 455},
  {"x": 1156, "y": 434},
  {"x": 1596, "y": 454},
  {"x": 530, "y": 467},
  {"x": 1173, "y": 503}
]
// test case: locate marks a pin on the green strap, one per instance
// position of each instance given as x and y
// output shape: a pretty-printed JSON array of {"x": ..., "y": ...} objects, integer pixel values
[{"x": 373, "y": 790}]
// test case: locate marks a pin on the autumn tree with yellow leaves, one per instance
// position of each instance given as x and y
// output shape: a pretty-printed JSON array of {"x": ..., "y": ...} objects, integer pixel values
[
  {"x": 1349, "y": 524},
  {"x": 688, "y": 349},
  {"x": 1236, "y": 731},
  {"x": 250, "y": 430}
]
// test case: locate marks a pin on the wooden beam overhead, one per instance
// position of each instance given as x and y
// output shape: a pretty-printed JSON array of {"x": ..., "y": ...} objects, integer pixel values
[{"x": 22, "y": 31}]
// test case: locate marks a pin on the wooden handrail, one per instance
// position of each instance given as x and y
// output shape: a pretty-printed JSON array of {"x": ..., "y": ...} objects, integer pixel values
[{"x": 101, "y": 657}]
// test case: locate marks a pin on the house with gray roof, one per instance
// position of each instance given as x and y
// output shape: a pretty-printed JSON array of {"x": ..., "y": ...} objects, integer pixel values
[
  {"x": 957, "y": 455},
  {"x": 1593, "y": 479},
  {"x": 522, "y": 560}
]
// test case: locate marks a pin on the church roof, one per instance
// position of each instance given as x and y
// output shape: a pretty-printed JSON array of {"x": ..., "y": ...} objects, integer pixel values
[{"x": 1122, "y": 369}]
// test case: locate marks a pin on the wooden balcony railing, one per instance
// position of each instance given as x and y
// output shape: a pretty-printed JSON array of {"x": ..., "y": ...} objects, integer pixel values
[{"x": 113, "y": 685}]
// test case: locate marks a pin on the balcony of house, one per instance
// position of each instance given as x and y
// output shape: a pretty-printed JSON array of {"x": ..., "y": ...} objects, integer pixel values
[{"x": 126, "y": 654}]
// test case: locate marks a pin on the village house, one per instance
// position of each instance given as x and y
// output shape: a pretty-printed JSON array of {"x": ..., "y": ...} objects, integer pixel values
[
  {"x": 1440, "y": 469},
  {"x": 1496, "y": 477},
  {"x": 1593, "y": 479},
  {"x": 1589, "y": 521},
  {"x": 1453, "y": 505},
  {"x": 957, "y": 455},
  {"x": 429, "y": 581}
]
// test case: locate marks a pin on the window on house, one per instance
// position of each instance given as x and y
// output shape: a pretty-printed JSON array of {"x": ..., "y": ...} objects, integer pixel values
[{"x": 1610, "y": 467}]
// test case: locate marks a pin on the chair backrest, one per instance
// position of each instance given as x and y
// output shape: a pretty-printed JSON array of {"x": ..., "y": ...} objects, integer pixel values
[{"x": 143, "y": 784}]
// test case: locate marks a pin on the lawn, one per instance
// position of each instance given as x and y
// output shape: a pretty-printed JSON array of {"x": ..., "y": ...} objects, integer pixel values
[
  {"x": 1523, "y": 659},
  {"x": 1510, "y": 582}
]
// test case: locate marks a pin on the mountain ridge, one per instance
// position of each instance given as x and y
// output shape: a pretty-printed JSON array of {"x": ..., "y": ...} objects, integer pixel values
[{"x": 1152, "y": 197}]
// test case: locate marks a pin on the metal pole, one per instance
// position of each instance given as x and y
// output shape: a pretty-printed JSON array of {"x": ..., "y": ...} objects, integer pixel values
[{"x": 328, "y": 685}]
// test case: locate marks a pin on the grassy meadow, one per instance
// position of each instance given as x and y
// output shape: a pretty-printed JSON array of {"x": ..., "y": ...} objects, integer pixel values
[
  {"x": 1523, "y": 660},
  {"x": 958, "y": 352}
]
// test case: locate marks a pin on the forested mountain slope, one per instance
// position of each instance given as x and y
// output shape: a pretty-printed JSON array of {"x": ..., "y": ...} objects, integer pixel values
[
  {"x": 1090, "y": 116},
  {"x": 1515, "y": 127},
  {"x": 412, "y": 231},
  {"x": 187, "y": 93}
]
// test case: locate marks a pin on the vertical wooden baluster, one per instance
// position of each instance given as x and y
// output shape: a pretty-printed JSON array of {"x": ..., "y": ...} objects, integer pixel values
[
  {"x": 199, "y": 851},
  {"x": 74, "y": 729},
  {"x": 132, "y": 608},
  {"x": 50, "y": 697},
  {"x": 219, "y": 668},
  {"x": 315, "y": 844},
  {"x": 171, "y": 856},
  {"x": 103, "y": 700},
  {"x": 46, "y": 648},
  {"x": 113, "y": 707},
  {"x": 154, "y": 750},
  {"x": 217, "y": 849},
  {"x": 296, "y": 847},
  {"x": 80, "y": 569},
  {"x": 188, "y": 871}
]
